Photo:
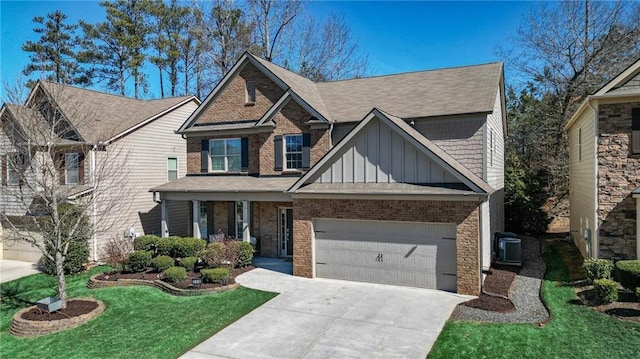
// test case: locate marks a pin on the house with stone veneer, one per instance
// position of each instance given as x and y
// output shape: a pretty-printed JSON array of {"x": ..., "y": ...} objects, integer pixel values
[
  {"x": 604, "y": 169},
  {"x": 91, "y": 136},
  {"x": 392, "y": 179}
]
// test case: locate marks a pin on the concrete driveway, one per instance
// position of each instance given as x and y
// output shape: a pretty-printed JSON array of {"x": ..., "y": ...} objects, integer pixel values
[
  {"x": 322, "y": 318},
  {"x": 10, "y": 270}
]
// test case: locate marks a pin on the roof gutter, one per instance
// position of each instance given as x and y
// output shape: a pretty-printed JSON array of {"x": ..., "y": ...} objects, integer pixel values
[{"x": 593, "y": 98}]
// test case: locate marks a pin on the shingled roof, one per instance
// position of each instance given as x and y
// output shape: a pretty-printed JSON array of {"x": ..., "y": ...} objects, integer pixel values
[{"x": 99, "y": 116}]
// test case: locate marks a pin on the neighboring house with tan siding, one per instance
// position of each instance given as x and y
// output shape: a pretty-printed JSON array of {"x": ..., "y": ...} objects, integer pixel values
[
  {"x": 604, "y": 169},
  {"x": 393, "y": 179},
  {"x": 131, "y": 137}
]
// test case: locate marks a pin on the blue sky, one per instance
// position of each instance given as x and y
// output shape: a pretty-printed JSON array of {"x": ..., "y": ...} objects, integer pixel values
[{"x": 397, "y": 36}]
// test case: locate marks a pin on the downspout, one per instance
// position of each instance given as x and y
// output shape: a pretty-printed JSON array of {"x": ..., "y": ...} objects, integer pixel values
[{"x": 93, "y": 202}]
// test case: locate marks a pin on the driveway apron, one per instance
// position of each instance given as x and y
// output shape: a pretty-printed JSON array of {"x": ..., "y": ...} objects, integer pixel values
[
  {"x": 10, "y": 270},
  {"x": 323, "y": 318}
]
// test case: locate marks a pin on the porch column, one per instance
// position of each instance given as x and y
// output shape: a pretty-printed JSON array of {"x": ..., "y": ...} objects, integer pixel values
[
  {"x": 196, "y": 218},
  {"x": 164, "y": 230},
  {"x": 245, "y": 222}
]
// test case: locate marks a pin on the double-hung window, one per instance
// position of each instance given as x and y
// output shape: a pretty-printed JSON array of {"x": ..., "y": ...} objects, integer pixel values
[
  {"x": 13, "y": 167},
  {"x": 172, "y": 168},
  {"x": 226, "y": 155},
  {"x": 72, "y": 166},
  {"x": 293, "y": 152}
]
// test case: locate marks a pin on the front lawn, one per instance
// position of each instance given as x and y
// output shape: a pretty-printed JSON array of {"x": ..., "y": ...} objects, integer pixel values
[
  {"x": 139, "y": 322},
  {"x": 574, "y": 330}
]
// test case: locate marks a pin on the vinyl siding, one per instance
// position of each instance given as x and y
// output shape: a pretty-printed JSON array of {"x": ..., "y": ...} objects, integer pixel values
[
  {"x": 494, "y": 162},
  {"x": 142, "y": 155},
  {"x": 9, "y": 204},
  {"x": 582, "y": 180},
  {"x": 460, "y": 136}
]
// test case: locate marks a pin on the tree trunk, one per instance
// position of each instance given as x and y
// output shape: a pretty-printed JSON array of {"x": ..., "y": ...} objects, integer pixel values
[{"x": 62, "y": 283}]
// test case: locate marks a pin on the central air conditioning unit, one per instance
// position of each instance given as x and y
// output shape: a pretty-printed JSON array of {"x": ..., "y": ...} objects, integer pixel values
[{"x": 510, "y": 251}]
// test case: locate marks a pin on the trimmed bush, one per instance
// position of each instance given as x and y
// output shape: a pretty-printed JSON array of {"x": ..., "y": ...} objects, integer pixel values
[
  {"x": 139, "y": 261},
  {"x": 161, "y": 263},
  {"x": 189, "y": 263},
  {"x": 231, "y": 253},
  {"x": 175, "y": 274},
  {"x": 606, "y": 289},
  {"x": 77, "y": 254},
  {"x": 186, "y": 247},
  {"x": 598, "y": 268},
  {"x": 638, "y": 294},
  {"x": 215, "y": 275},
  {"x": 628, "y": 273},
  {"x": 246, "y": 254},
  {"x": 163, "y": 246},
  {"x": 214, "y": 255},
  {"x": 147, "y": 243}
]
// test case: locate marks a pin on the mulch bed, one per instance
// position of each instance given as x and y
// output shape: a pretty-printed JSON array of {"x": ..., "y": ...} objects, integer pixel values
[
  {"x": 627, "y": 307},
  {"x": 495, "y": 293},
  {"x": 74, "y": 308},
  {"x": 185, "y": 284}
]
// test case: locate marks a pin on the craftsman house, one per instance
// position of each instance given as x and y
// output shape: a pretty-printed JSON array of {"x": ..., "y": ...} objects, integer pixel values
[
  {"x": 604, "y": 169},
  {"x": 92, "y": 136},
  {"x": 393, "y": 179}
]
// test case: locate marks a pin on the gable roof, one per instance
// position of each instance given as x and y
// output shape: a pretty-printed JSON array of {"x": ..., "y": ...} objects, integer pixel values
[
  {"x": 398, "y": 125},
  {"x": 99, "y": 116},
  {"x": 32, "y": 121},
  {"x": 627, "y": 74},
  {"x": 452, "y": 91}
]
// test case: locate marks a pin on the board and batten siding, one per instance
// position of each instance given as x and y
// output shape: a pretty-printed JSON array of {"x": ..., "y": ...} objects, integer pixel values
[
  {"x": 147, "y": 150},
  {"x": 380, "y": 155},
  {"x": 582, "y": 184},
  {"x": 460, "y": 136}
]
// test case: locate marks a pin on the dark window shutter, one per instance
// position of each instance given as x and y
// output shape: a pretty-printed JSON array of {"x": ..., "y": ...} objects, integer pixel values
[
  {"x": 277, "y": 156},
  {"x": 635, "y": 131},
  {"x": 244, "y": 162},
  {"x": 204, "y": 156},
  {"x": 306, "y": 151},
  {"x": 231, "y": 219},
  {"x": 81, "y": 168},
  {"x": 4, "y": 170}
]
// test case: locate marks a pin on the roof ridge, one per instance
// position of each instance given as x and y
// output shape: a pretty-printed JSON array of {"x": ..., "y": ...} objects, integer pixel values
[{"x": 111, "y": 94}]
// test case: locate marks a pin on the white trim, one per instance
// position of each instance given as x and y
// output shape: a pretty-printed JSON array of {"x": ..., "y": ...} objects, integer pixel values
[
  {"x": 393, "y": 196},
  {"x": 170, "y": 157},
  {"x": 225, "y": 156},
  {"x": 284, "y": 152},
  {"x": 284, "y": 99},
  {"x": 248, "y": 94},
  {"x": 624, "y": 76},
  {"x": 227, "y": 196},
  {"x": 598, "y": 99},
  {"x": 196, "y": 218},
  {"x": 66, "y": 165},
  {"x": 164, "y": 229}
]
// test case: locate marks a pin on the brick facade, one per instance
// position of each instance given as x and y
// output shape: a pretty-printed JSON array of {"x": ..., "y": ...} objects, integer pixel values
[
  {"x": 464, "y": 214},
  {"x": 618, "y": 175},
  {"x": 265, "y": 225}
]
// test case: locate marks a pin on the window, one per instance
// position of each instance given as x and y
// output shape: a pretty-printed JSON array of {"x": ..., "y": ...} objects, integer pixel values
[
  {"x": 14, "y": 162},
  {"x": 172, "y": 168},
  {"x": 635, "y": 131},
  {"x": 293, "y": 152},
  {"x": 226, "y": 155},
  {"x": 251, "y": 92},
  {"x": 71, "y": 167},
  {"x": 579, "y": 144}
]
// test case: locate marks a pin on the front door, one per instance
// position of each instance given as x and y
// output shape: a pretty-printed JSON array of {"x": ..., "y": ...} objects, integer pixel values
[{"x": 285, "y": 225}]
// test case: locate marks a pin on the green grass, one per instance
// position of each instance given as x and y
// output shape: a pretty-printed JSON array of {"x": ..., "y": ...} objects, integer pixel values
[
  {"x": 139, "y": 322},
  {"x": 574, "y": 331}
]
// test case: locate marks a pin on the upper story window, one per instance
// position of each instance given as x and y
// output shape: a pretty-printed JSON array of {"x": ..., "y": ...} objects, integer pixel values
[
  {"x": 72, "y": 168},
  {"x": 13, "y": 166},
  {"x": 293, "y": 152},
  {"x": 226, "y": 155},
  {"x": 250, "y": 92},
  {"x": 172, "y": 168},
  {"x": 635, "y": 131}
]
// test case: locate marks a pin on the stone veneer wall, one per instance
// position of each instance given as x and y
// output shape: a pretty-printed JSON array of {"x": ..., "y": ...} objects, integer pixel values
[
  {"x": 464, "y": 214},
  {"x": 618, "y": 175}
]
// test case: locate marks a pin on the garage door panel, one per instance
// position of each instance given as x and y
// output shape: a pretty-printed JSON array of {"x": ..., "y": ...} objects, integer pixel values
[{"x": 400, "y": 253}]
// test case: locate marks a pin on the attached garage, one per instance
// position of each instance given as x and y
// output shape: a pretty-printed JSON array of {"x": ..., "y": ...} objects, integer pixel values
[{"x": 415, "y": 254}]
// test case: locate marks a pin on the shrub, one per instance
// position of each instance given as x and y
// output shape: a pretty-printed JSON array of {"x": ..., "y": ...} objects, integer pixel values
[
  {"x": 189, "y": 263},
  {"x": 214, "y": 254},
  {"x": 606, "y": 289},
  {"x": 638, "y": 294},
  {"x": 598, "y": 268},
  {"x": 161, "y": 263},
  {"x": 163, "y": 246},
  {"x": 116, "y": 252},
  {"x": 231, "y": 253},
  {"x": 246, "y": 254},
  {"x": 77, "y": 254},
  {"x": 186, "y": 247},
  {"x": 215, "y": 275},
  {"x": 146, "y": 243},
  {"x": 629, "y": 273},
  {"x": 175, "y": 274},
  {"x": 139, "y": 261}
]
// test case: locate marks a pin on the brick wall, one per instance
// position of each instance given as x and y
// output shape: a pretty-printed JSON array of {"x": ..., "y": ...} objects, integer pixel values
[
  {"x": 265, "y": 226},
  {"x": 230, "y": 103},
  {"x": 618, "y": 175},
  {"x": 464, "y": 214}
]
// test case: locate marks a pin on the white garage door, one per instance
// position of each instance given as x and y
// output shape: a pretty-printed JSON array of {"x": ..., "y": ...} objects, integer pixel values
[
  {"x": 20, "y": 251},
  {"x": 400, "y": 253}
]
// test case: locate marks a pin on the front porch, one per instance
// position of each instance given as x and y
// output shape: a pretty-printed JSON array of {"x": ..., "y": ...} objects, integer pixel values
[{"x": 251, "y": 209}]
